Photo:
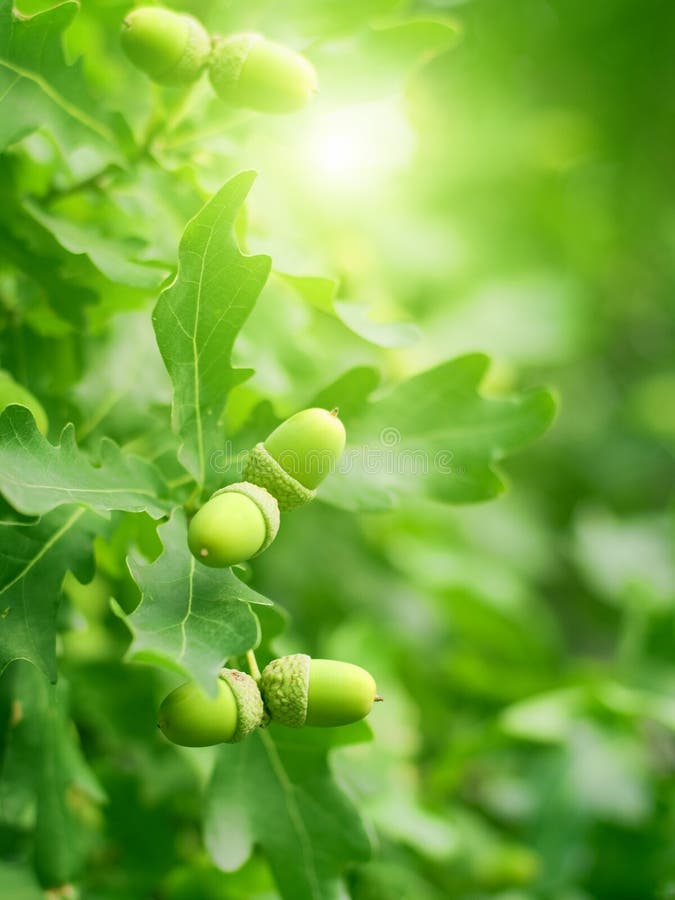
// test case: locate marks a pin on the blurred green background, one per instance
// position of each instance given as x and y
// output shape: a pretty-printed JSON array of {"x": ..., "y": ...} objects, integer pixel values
[{"x": 492, "y": 176}]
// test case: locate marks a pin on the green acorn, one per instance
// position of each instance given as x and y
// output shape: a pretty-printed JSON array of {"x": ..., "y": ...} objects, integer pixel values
[
  {"x": 299, "y": 690},
  {"x": 189, "y": 717},
  {"x": 238, "y": 522},
  {"x": 171, "y": 48},
  {"x": 248, "y": 70},
  {"x": 297, "y": 456}
]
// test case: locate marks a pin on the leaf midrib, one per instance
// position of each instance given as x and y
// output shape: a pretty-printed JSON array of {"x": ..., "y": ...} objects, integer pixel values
[
  {"x": 75, "y": 490},
  {"x": 46, "y": 547},
  {"x": 293, "y": 812},
  {"x": 68, "y": 107}
]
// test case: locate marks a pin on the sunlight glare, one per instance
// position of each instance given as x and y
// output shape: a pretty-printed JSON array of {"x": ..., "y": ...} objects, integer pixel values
[{"x": 361, "y": 144}]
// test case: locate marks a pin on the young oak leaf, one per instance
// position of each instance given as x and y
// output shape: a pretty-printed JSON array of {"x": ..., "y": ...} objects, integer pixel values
[
  {"x": 122, "y": 384},
  {"x": 198, "y": 317},
  {"x": 191, "y": 617},
  {"x": 38, "y": 89},
  {"x": 349, "y": 393},
  {"x": 435, "y": 433},
  {"x": 321, "y": 293},
  {"x": 36, "y": 476},
  {"x": 110, "y": 255},
  {"x": 33, "y": 562},
  {"x": 276, "y": 790}
]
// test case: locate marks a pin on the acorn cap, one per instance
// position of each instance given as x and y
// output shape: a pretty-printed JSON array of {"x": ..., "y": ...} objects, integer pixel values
[
  {"x": 266, "y": 503},
  {"x": 285, "y": 688},
  {"x": 195, "y": 56},
  {"x": 263, "y": 469},
  {"x": 250, "y": 709},
  {"x": 226, "y": 67}
]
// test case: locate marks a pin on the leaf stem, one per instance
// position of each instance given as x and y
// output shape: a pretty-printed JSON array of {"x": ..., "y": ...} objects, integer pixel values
[
  {"x": 180, "y": 481},
  {"x": 180, "y": 141},
  {"x": 95, "y": 181},
  {"x": 252, "y": 664},
  {"x": 634, "y": 628},
  {"x": 165, "y": 119},
  {"x": 180, "y": 110},
  {"x": 191, "y": 504}
]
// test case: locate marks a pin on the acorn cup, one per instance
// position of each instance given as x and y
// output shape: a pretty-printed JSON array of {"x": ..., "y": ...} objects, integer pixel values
[
  {"x": 296, "y": 457},
  {"x": 298, "y": 690},
  {"x": 171, "y": 48},
  {"x": 237, "y": 523},
  {"x": 247, "y": 70},
  {"x": 190, "y": 718}
]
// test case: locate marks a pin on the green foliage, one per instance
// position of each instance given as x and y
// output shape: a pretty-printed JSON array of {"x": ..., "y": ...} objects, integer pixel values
[
  {"x": 198, "y": 317},
  {"x": 448, "y": 457},
  {"x": 39, "y": 87},
  {"x": 190, "y": 617},
  {"x": 276, "y": 790},
  {"x": 35, "y": 559},
  {"x": 37, "y": 477},
  {"x": 46, "y": 781},
  {"x": 470, "y": 207}
]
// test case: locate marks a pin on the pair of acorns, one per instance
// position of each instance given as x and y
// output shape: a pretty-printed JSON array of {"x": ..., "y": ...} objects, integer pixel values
[
  {"x": 245, "y": 70},
  {"x": 294, "y": 691},
  {"x": 241, "y": 520}
]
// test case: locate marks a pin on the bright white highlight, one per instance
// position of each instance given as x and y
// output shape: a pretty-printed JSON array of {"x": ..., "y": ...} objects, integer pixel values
[
  {"x": 340, "y": 153},
  {"x": 360, "y": 144}
]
